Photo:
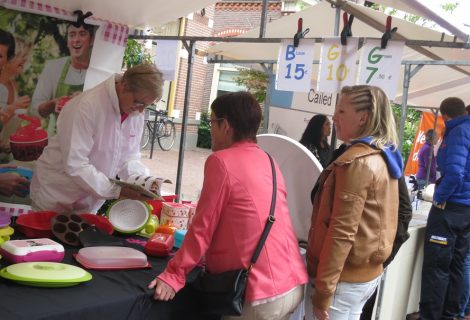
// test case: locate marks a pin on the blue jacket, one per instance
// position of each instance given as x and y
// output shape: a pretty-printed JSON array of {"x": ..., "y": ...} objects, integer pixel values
[{"x": 453, "y": 161}]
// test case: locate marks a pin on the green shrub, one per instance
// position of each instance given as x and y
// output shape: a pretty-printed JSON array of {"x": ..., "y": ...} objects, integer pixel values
[{"x": 204, "y": 132}]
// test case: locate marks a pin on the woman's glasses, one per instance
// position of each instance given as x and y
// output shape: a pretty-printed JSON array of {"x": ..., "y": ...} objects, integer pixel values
[{"x": 214, "y": 120}]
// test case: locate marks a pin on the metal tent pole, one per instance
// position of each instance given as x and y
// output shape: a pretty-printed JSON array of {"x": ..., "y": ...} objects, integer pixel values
[
  {"x": 264, "y": 13},
  {"x": 179, "y": 174}
]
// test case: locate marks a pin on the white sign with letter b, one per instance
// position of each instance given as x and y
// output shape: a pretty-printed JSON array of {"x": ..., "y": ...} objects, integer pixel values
[{"x": 294, "y": 70}]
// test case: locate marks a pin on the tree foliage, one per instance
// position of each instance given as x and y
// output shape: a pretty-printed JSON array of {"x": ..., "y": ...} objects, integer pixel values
[
  {"x": 46, "y": 34},
  {"x": 135, "y": 54},
  {"x": 411, "y": 126},
  {"x": 255, "y": 81}
]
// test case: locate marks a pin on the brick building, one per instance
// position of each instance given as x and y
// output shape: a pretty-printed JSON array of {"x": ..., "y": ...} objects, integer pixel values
[{"x": 223, "y": 19}]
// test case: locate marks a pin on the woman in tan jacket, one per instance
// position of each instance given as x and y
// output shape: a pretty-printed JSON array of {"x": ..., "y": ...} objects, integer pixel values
[{"x": 354, "y": 217}]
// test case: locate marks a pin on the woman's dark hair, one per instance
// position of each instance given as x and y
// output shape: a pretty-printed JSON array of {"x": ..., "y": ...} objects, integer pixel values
[
  {"x": 429, "y": 135},
  {"x": 7, "y": 39},
  {"x": 242, "y": 112},
  {"x": 312, "y": 135}
]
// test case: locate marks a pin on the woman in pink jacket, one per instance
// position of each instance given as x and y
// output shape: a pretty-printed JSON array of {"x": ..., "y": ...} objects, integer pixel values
[{"x": 231, "y": 214}]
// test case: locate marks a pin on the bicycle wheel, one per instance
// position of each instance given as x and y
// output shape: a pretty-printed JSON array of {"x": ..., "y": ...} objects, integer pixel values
[
  {"x": 144, "y": 141},
  {"x": 166, "y": 135}
]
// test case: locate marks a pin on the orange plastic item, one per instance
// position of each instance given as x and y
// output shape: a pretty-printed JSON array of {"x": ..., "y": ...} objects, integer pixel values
[{"x": 166, "y": 229}]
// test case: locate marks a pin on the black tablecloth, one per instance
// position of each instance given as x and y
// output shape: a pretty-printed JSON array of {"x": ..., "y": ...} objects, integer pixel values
[{"x": 121, "y": 294}]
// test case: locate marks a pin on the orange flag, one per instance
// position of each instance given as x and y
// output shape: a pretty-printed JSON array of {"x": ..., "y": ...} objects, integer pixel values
[{"x": 426, "y": 123}]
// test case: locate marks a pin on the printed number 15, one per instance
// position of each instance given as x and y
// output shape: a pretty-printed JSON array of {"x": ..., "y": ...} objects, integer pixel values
[{"x": 299, "y": 71}]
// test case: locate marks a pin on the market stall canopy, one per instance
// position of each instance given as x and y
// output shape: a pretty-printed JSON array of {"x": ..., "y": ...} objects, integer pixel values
[
  {"x": 136, "y": 13},
  {"x": 418, "y": 7},
  {"x": 428, "y": 87}
]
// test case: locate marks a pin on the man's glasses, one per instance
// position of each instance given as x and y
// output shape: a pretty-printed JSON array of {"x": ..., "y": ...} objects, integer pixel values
[
  {"x": 214, "y": 120},
  {"x": 139, "y": 104}
]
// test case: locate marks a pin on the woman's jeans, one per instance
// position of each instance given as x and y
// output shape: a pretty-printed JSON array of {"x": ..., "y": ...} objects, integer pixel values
[{"x": 349, "y": 298}]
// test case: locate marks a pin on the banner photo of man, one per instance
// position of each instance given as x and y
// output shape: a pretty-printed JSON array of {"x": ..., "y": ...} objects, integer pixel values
[
  {"x": 43, "y": 64},
  {"x": 426, "y": 123}
]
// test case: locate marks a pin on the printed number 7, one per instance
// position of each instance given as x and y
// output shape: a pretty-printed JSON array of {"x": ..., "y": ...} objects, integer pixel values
[
  {"x": 373, "y": 71},
  {"x": 299, "y": 71}
]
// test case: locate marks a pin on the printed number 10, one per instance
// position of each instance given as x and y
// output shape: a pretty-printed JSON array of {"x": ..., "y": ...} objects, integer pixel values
[{"x": 299, "y": 71}]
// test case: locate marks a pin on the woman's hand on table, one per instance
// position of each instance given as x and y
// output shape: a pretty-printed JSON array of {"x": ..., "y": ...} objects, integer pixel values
[
  {"x": 162, "y": 291},
  {"x": 320, "y": 314}
]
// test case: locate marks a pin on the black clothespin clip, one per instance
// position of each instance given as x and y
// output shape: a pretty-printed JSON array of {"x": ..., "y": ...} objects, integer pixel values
[
  {"x": 347, "y": 31},
  {"x": 299, "y": 34},
  {"x": 388, "y": 33},
  {"x": 81, "y": 18}
]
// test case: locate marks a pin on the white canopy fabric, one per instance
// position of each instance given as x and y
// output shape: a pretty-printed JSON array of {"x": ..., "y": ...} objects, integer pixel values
[
  {"x": 428, "y": 87},
  {"x": 136, "y": 13}
]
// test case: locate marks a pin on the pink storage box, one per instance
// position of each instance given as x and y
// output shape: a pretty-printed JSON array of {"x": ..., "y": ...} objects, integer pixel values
[
  {"x": 175, "y": 214},
  {"x": 111, "y": 258},
  {"x": 192, "y": 212},
  {"x": 30, "y": 250}
]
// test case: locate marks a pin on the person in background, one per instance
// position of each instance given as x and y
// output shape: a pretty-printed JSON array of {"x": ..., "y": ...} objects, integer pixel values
[
  {"x": 12, "y": 184},
  {"x": 358, "y": 196},
  {"x": 315, "y": 137},
  {"x": 63, "y": 77},
  {"x": 231, "y": 215},
  {"x": 9, "y": 98},
  {"x": 98, "y": 138},
  {"x": 465, "y": 301},
  {"x": 447, "y": 234},
  {"x": 7, "y": 52},
  {"x": 426, "y": 159}
]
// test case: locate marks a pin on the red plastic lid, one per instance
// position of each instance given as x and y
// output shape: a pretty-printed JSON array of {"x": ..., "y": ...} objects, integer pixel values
[{"x": 31, "y": 132}]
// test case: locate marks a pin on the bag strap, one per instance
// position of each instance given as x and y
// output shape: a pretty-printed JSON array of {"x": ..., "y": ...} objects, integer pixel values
[{"x": 269, "y": 221}]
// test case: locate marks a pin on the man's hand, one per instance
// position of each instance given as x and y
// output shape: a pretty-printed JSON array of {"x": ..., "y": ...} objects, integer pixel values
[
  {"x": 320, "y": 314},
  {"x": 13, "y": 184},
  {"x": 162, "y": 291}
]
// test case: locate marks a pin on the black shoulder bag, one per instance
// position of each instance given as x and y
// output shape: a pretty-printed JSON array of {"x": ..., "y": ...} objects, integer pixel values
[{"x": 224, "y": 293}]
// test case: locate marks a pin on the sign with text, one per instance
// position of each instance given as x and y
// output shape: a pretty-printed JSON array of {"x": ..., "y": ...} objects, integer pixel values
[
  {"x": 337, "y": 64},
  {"x": 294, "y": 70},
  {"x": 381, "y": 67},
  {"x": 314, "y": 101}
]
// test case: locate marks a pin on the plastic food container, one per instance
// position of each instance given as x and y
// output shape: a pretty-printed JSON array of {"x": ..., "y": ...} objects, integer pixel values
[
  {"x": 67, "y": 228},
  {"x": 5, "y": 233},
  {"x": 157, "y": 204},
  {"x": 100, "y": 222},
  {"x": 45, "y": 274},
  {"x": 109, "y": 258},
  {"x": 160, "y": 245},
  {"x": 16, "y": 251},
  {"x": 36, "y": 224},
  {"x": 179, "y": 237},
  {"x": 128, "y": 216},
  {"x": 29, "y": 141}
]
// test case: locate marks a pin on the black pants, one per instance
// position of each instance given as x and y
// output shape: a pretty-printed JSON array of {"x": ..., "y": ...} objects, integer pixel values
[{"x": 445, "y": 248}]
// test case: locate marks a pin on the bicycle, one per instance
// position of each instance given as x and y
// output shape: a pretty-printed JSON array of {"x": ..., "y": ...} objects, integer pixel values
[{"x": 165, "y": 132}]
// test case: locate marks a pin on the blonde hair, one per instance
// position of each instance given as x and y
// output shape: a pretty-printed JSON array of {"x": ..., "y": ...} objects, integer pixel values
[
  {"x": 144, "y": 78},
  {"x": 381, "y": 122}
]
